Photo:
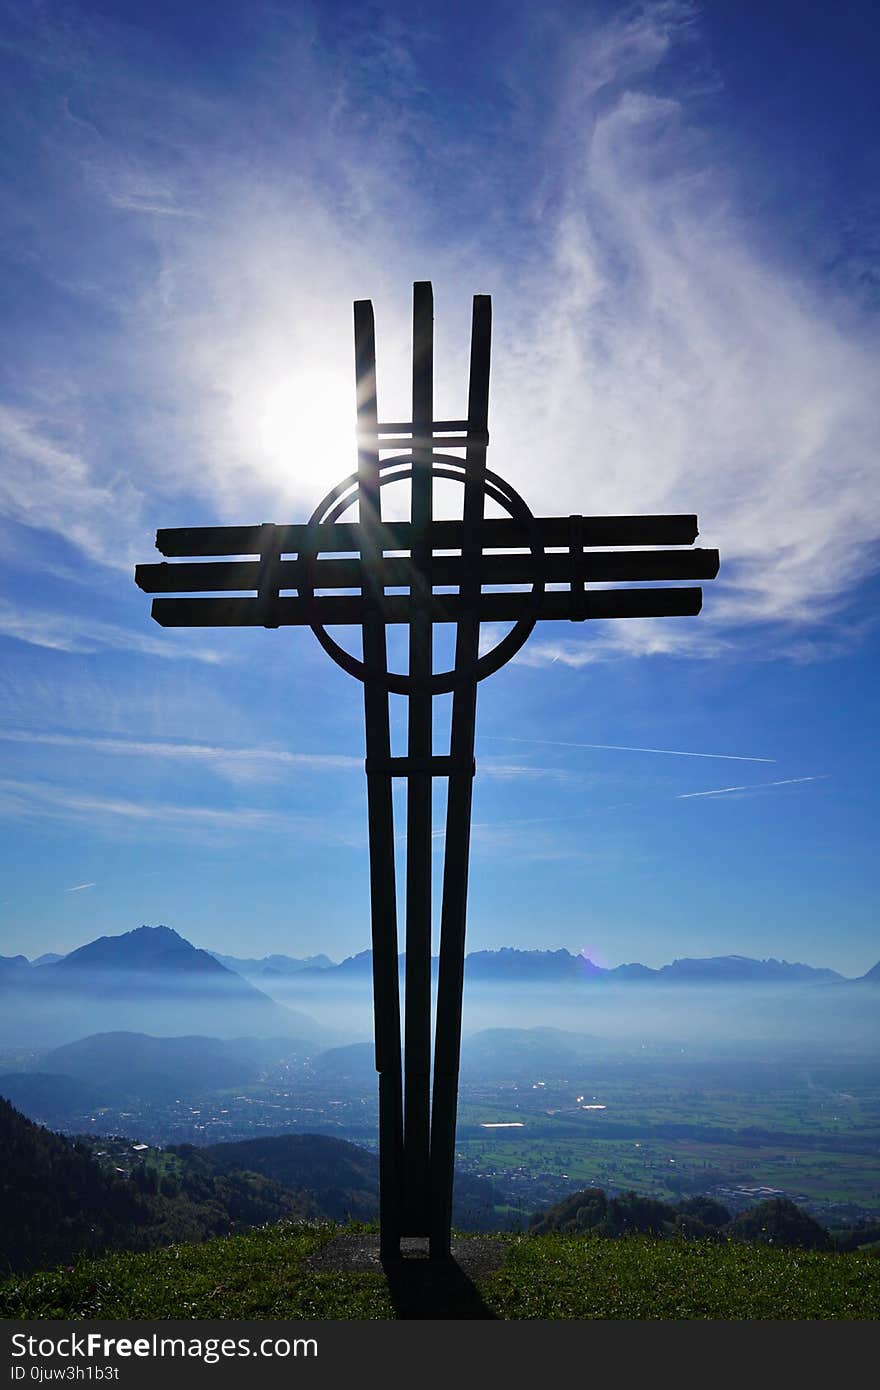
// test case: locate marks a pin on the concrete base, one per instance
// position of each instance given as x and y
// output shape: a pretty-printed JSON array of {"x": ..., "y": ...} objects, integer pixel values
[{"x": 359, "y": 1254}]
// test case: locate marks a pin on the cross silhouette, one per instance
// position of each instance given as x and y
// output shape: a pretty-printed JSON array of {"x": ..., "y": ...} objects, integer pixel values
[{"x": 289, "y": 583}]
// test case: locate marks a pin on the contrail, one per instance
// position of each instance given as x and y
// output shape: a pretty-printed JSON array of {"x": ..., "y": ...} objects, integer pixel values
[
  {"x": 755, "y": 786},
  {"x": 626, "y": 748}
]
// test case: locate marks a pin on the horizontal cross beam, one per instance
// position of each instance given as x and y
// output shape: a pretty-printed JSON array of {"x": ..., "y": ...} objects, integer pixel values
[
  {"x": 558, "y": 567},
  {"x": 346, "y": 609},
  {"x": 496, "y": 533}
]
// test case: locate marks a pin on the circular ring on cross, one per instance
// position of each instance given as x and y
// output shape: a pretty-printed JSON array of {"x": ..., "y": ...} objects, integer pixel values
[{"x": 448, "y": 466}]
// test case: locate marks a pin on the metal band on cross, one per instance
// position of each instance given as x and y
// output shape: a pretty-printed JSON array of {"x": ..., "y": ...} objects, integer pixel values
[{"x": 292, "y": 580}]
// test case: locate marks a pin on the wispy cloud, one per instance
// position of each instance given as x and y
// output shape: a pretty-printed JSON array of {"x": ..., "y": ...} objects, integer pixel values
[
  {"x": 79, "y": 887},
  {"x": 109, "y": 813},
  {"x": 611, "y": 640},
  {"x": 664, "y": 359},
  {"x": 50, "y": 483},
  {"x": 255, "y": 764},
  {"x": 519, "y": 772},
  {"x": 71, "y": 632},
  {"x": 627, "y": 748},
  {"x": 753, "y": 787},
  {"x": 240, "y": 764}
]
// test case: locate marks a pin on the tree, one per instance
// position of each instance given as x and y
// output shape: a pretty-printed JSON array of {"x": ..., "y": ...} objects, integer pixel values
[{"x": 779, "y": 1222}]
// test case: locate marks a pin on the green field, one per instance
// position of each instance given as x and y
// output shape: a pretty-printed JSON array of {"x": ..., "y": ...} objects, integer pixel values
[{"x": 817, "y": 1143}]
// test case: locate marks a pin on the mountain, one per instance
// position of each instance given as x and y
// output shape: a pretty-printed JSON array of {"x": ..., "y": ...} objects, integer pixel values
[
  {"x": 150, "y": 980},
  {"x": 40, "y": 1095},
  {"x": 491, "y": 1054},
  {"x": 124, "y": 1069},
  {"x": 509, "y": 965},
  {"x": 55, "y": 1200},
  {"x": 354, "y": 1062},
  {"x": 340, "y": 1179},
  {"x": 155, "y": 950},
  {"x": 275, "y": 965},
  {"x": 633, "y": 971},
  {"x": 13, "y": 964},
  {"x": 47, "y": 958},
  {"x": 742, "y": 970},
  {"x": 361, "y": 964},
  {"x": 871, "y": 977},
  {"x": 134, "y": 1065},
  {"x": 499, "y": 1054}
]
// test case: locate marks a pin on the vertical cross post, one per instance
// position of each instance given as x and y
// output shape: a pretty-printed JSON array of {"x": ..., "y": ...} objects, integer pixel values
[
  {"x": 380, "y": 811},
  {"x": 458, "y": 810},
  {"x": 417, "y": 1041}
]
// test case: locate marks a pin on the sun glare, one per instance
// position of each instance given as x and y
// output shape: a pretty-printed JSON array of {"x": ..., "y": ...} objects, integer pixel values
[{"x": 306, "y": 427}]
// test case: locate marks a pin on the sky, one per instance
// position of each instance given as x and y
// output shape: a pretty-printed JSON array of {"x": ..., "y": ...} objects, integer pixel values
[{"x": 675, "y": 210}]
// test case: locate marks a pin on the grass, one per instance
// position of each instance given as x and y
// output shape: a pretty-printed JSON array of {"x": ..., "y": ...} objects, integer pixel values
[{"x": 261, "y": 1276}]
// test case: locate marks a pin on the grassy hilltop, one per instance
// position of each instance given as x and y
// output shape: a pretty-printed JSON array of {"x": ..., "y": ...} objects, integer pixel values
[{"x": 263, "y": 1275}]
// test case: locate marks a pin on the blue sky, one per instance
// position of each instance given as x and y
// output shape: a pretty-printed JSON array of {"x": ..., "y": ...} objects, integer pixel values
[{"x": 674, "y": 208}]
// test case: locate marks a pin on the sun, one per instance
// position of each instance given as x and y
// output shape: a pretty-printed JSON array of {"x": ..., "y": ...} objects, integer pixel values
[{"x": 306, "y": 431}]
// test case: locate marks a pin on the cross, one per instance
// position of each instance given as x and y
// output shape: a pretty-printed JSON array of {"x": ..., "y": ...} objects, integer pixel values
[{"x": 289, "y": 583}]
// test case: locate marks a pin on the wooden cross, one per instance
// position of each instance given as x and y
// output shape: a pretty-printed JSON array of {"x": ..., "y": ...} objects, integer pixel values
[{"x": 288, "y": 582}]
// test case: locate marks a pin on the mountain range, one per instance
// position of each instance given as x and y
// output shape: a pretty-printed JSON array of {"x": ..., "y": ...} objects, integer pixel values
[
  {"x": 508, "y": 964},
  {"x": 164, "y": 960}
]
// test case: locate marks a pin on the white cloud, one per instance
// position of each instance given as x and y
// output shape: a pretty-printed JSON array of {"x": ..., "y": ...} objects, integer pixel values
[
  {"x": 649, "y": 355},
  {"x": 70, "y": 632},
  {"x": 238, "y": 764},
  {"x": 661, "y": 362},
  {"x": 110, "y": 814},
  {"x": 48, "y": 482},
  {"x": 680, "y": 369}
]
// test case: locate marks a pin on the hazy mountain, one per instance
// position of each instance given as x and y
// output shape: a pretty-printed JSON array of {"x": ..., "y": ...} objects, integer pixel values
[
  {"x": 154, "y": 950},
  {"x": 490, "y": 1054},
  {"x": 40, "y": 1096},
  {"x": 871, "y": 976},
  {"x": 525, "y": 1053},
  {"x": 361, "y": 964},
  {"x": 13, "y": 963},
  {"x": 355, "y": 1062},
  {"x": 734, "y": 969},
  {"x": 150, "y": 980},
  {"x": 129, "y": 1065},
  {"x": 632, "y": 971},
  {"x": 47, "y": 958},
  {"x": 511, "y": 964},
  {"x": 274, "y": 965}
]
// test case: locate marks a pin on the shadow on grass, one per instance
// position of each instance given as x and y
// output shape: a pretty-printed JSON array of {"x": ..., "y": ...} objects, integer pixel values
[
  {"x": 418, "y": 1286},
  {"x": 433, "y": 1289}
]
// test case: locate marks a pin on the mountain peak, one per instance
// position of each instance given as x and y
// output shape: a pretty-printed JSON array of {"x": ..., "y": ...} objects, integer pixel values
[{"x": 144, "y": 948}]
